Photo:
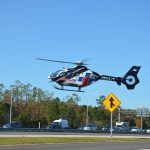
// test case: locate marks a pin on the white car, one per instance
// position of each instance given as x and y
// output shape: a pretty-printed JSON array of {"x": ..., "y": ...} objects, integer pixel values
[
  {"x": 148, "y": 130},
  {"x": 136, "y": 130}
]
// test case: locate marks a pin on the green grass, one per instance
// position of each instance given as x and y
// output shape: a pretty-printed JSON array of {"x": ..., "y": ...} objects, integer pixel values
[{"x": 42, "y": 140}]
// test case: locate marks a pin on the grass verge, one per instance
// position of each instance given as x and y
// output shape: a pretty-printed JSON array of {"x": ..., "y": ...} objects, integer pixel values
[{"x": 42, "y": 140}]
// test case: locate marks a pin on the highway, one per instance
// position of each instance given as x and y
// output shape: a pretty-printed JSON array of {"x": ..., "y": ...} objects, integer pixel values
[
  {"x": 68, "y": 134},
  {"x": 83, "y": 146},
  {"x": 77, "y": 146}
]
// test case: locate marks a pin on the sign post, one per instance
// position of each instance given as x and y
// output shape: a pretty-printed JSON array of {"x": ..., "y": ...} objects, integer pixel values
[
  {"x": 111, "y": 102},
  {"x": 111, "y": 125},
  {"x": 142, "y": 112}
]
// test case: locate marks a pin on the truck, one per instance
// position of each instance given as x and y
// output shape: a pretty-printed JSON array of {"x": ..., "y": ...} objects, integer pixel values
[
  {"x": 59, "y": 124},
  {"x": 122, "y": 126}
]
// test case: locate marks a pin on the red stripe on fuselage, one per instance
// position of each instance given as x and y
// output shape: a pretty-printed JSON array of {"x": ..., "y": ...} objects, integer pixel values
[
  {"x": 85, "y": 81},
  {"x": 62, "y": 79}
]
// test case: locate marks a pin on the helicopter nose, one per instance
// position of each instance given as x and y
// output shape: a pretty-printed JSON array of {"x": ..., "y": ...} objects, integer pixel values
[{"x": 49, "y": 76}]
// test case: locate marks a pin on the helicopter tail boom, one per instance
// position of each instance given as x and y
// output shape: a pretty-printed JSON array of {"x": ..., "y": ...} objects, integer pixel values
[{"x": 130, "y": 79}]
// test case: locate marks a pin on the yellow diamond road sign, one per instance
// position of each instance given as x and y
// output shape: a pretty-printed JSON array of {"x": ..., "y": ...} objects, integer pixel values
[{"x": 111, "y": 102}]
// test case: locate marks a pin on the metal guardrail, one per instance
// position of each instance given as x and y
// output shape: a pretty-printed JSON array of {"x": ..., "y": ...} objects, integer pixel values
[{"x": 44, "y": 130}]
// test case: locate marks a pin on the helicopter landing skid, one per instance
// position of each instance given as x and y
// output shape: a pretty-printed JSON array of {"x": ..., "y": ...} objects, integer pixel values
[{"x": 66, "y": 89}]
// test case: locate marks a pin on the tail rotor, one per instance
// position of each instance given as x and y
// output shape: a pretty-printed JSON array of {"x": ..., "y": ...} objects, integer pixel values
[{"x": 130, "y": 79}]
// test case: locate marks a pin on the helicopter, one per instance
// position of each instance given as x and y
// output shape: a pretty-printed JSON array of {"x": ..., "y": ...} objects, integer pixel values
[{"x": 80, "y": 76}]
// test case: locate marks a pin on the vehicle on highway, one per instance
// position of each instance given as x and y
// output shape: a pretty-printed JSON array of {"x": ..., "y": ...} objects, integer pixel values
[
  {"x": 106, "y": 129},
  {"x": 59, "y": 124},
  {"x": 13, "y": 124},
  {"x": 82, "y": 127},
  {"x": 143, "y": 131},
  {"x": 148, "y": 130},
  {"x": 122, "y": 126},
  {"x": 91, "y": 127},
  {"x": 54, "y": 126},
  {"x": 135, "y": 130},
  {"x": 115, "y": 129}
]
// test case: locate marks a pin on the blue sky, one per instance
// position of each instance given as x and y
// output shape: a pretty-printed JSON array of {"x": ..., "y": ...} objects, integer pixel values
[{"x": 113, "y": 34}]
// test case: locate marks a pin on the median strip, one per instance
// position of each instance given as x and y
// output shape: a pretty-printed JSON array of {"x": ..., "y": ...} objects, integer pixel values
[{"x": 46, "y": 140}]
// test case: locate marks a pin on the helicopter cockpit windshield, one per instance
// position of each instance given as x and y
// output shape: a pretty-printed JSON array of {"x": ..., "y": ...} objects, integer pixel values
[{"x": 56, "y": 74}]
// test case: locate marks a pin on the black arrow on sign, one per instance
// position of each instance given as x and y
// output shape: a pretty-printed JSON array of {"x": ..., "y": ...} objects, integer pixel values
[{"x": 111, "y": 102}]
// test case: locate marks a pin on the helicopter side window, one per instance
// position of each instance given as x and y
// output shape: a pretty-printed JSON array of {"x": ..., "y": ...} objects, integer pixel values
[
  {"x": 68, "y": 74},
  {"x": 61, "y": 74}
]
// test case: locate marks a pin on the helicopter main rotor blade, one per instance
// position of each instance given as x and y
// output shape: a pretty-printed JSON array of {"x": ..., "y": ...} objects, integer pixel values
[
  {"x": 68, "y": 62},
  {"x": 56, "y": 61}
]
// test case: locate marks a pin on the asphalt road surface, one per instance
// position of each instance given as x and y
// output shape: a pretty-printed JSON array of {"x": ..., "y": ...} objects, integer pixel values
[
  {"x": 69, "y": 134},
  {"x": 83, "y": 146}
]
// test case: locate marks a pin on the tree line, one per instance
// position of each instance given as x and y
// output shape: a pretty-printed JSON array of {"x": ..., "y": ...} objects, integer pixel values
[{"x": 31, "y": 105}]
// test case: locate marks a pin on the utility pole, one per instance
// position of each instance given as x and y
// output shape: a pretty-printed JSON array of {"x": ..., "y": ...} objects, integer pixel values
[
  {"x": 87, "y": 115},
  {"x": 141, "y": 122},
  {"x": 119, "y": 114},
  {"x": 11, "y": 97}
]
